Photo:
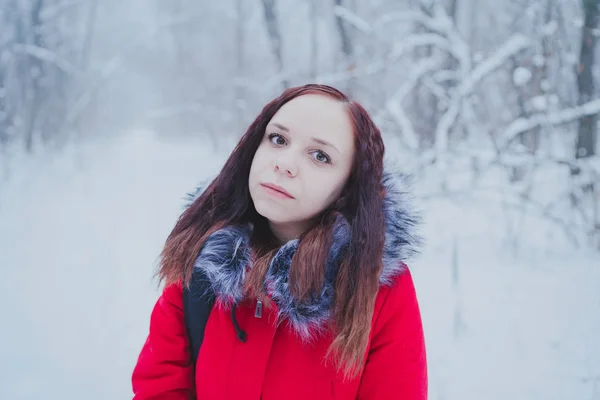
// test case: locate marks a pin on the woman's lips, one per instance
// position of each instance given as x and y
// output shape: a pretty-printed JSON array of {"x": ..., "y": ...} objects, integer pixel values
[{"x": 276, "y": 191}]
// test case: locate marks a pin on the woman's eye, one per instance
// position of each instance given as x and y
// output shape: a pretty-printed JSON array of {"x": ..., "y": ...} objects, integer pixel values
[
  {"x": 277, "y": 139},
  {"x": 321, "y": 157}
]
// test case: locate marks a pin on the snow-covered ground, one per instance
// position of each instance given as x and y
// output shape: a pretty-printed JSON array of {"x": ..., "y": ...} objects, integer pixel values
[{"x": 80, "y": 235}]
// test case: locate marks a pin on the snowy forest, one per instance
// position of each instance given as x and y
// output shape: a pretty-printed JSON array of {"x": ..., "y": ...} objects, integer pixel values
[
  {"x": 508, "y": 88},
  {"x": 111, "y": 110}
]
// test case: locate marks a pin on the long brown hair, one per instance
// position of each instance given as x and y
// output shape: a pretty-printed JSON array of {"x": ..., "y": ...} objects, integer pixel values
[{"x": 227, "y": 201}]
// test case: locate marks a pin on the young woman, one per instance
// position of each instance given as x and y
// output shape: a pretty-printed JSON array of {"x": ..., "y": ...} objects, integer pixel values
[{"x": 303, "y": 239}]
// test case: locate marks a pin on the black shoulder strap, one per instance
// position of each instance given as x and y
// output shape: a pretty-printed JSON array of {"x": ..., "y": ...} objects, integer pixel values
[{"x": 198, "y": 300}]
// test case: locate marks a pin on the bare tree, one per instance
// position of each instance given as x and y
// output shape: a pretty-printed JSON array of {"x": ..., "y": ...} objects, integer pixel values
[
  {"x": 347, "y": 46},
  {"x": 498, "y": 89},
  {"x": 32, "y": 74},
  {"x": 239, "y": 55},
  {"x": 530, "y": 75},
  {"x": 86, "y": 47},
  {"x": 275, "y": 37},
  {"x": 587, "y": 132},
  {"x": 7, "y": 109},
  {"x": 39, "y": 68},
  {"x": 314, "y": 43},
  {"x": 584, "y": 197}
]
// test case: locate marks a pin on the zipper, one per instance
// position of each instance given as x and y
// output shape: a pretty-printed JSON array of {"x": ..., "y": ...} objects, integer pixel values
[{"x": 258, "y": 309}]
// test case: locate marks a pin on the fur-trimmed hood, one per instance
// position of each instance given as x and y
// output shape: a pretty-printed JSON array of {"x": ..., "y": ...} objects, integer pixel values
[{"x": 226, "y": 255}]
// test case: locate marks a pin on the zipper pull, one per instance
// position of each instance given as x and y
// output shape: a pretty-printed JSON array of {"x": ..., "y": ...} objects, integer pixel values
[{"x": 258, "y": 309}]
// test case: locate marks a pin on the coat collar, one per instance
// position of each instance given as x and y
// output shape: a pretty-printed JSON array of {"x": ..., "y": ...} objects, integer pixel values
[{"x": 226, "y": 254}]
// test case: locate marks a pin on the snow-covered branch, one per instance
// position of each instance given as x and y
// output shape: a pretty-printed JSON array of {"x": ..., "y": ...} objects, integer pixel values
[
  {"x": 400, "y": 49},
  {"x": 443, "y": 35},
  {"x": 53, "y": 10},
  {"x": 512, "y": 46},
  {"x": 394, "y": 104},
  {"x": 409, "y": 17},
  {"x": 353, "y": 19},
  {"x": 522, "y": 125},
  {"x": 48, "y": 56},
  {"x": 423, "y": 39},
  {"x": 441, "y": 24}
]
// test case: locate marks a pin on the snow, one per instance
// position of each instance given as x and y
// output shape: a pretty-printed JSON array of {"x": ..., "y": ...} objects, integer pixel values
[
  {"x": 80, "y": 234},
  {"x": 550, "y": 28},
  {"x": 511, "y": 329},
  {"x": 539, "y": 60},
  {"x": 539, "y": 103},
  {"x": 545, "y": 85},
  {"x": 521, "y": 76}
]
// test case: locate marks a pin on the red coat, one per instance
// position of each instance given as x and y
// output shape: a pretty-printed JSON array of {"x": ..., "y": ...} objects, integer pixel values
[{"x": 273, "y": 364}]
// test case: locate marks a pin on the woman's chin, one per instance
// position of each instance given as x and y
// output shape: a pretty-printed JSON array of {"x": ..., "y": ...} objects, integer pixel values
[{"x": 272, "y": 213}]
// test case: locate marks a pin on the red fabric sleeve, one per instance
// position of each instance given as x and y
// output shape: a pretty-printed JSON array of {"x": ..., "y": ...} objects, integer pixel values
[
  {"x": 163, "y": 370},
  {"x": 396, "y": 366}
]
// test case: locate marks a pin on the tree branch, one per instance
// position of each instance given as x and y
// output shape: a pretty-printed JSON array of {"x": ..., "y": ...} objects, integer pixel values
[
  {"x": 513, "y": 45},
  {"x": 48, "y": 56},
  {"x": 521, "y": 125}
]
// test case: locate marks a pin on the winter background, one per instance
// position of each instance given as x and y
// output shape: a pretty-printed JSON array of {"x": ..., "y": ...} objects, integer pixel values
[{"x": 110, "y": 111}]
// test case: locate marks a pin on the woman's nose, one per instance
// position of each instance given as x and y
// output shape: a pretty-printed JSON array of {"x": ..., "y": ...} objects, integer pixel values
[{"x": 286, "y": 166}]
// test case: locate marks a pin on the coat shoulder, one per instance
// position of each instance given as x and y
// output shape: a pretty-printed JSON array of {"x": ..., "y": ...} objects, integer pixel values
[
  {"x": 395, "y": 297},
  {"x": 396, "y": 360}
]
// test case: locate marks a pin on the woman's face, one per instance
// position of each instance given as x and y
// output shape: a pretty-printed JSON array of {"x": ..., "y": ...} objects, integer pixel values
[{"x": 302, "y": 164}]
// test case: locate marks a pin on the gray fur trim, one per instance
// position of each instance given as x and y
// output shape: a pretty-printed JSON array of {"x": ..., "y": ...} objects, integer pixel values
[
  {"x": 401, "y": 239},
  {"x": 224, "y": 259}
]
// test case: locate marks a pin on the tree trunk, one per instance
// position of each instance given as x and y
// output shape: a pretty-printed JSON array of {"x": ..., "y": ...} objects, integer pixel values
[
  {"x": 5, "y": 112},
  {"x": 86, "y": 47},
  {"x": 314, "y": 49},
  {"x": 239, "y": 69},
  {"x": 586, "y": 134},
  {"x": 33, "y": 73},
  {"x": 347, "y": 48},
  {"x": 531, "y": 139},
  {"x": 274, "y": 37}
]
